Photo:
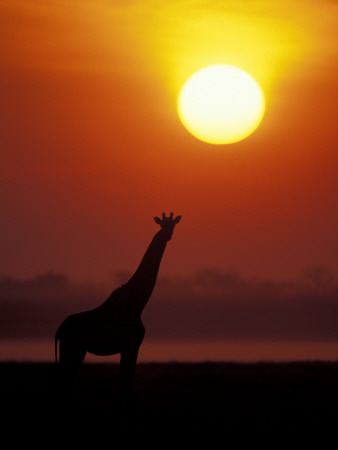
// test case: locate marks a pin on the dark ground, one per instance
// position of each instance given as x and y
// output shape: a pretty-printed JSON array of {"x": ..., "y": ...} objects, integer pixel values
[{"x": 199, "y": 400}]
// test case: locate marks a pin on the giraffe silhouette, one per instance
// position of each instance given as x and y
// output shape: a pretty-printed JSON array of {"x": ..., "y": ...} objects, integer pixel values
[{"x": 114, "y": 327}]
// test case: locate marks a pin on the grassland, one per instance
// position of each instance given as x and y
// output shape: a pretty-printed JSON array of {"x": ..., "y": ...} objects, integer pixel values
[{"x": 197, "y": 399}]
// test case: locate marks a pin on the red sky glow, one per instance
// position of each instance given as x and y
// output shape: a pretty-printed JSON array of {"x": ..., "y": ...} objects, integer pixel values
[{"x": 92, "y": 148}]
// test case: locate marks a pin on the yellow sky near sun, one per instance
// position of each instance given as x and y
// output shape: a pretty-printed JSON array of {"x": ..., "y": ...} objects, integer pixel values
[
  {"x": 172, "y": 39},
  {"x": 147, "y": 49},
  {"x": 257, "y": 43}
]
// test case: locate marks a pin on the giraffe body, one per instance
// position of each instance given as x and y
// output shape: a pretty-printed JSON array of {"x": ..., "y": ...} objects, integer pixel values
[{"x": 90, "y": 331}]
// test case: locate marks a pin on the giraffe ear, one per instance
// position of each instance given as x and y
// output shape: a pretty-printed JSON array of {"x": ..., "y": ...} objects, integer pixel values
[
  {"x": 177, "y": 219},
  {"x": 158, "y": 220}
]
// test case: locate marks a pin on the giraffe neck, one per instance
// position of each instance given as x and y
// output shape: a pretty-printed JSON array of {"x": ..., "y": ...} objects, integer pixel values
[{"x": 143, "y": 281}]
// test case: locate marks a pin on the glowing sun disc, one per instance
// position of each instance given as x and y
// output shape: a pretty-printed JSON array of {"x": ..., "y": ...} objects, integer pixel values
[{"x": 221, "y": 104}]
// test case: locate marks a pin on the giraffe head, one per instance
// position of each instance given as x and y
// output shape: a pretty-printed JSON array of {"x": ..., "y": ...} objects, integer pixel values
[{"x": 167, "y": 224}]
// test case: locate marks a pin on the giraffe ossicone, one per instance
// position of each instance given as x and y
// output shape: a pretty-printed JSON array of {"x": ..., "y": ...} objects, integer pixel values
[{"x": 167, "y": 224}]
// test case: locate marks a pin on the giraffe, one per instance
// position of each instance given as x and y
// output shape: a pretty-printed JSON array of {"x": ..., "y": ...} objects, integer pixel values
[{"x": 114, "y": 327}]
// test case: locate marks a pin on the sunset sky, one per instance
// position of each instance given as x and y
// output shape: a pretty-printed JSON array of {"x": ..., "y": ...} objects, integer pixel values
[{"x": 92, "y": 148}]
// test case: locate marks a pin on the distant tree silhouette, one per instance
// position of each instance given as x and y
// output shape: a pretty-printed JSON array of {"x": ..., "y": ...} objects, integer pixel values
[{"x": 115, "y": 326}]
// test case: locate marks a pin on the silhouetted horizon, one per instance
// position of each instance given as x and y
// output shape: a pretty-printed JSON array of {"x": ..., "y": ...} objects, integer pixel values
[
  {"x": 229, "y": 314},
  {"x": 31, "y": 307}
]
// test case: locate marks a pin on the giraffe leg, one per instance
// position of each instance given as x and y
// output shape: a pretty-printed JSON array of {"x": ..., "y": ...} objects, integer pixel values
[
  {"x": 126, "y": 386},
  {"x": 71, "y": 357}
]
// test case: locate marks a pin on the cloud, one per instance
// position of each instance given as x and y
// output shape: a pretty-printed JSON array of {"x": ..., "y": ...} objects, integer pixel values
[
  {"x": 210, "y": 304},
  {"x": 35, "y": 307},
  {"x": 224, "y": 305}
]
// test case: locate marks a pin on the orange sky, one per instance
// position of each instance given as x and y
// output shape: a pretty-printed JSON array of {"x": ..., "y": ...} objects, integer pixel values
[{"x": 92, "y": 147}]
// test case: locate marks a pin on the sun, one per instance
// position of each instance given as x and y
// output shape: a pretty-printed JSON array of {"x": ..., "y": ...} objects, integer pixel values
[{"x": 221, "y": 104}]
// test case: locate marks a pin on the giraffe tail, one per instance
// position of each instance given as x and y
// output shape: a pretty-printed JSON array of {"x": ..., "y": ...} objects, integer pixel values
[{"x": 57, "y": 339}]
